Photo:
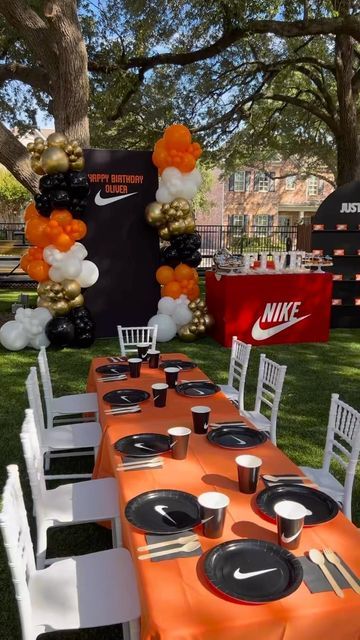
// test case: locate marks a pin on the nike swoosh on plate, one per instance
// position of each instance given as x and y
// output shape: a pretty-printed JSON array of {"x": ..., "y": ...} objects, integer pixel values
[
  {"x": 244, "y": 576},
  {"x": 258, "y": 333},
  {"x": 101, "y": 202}
]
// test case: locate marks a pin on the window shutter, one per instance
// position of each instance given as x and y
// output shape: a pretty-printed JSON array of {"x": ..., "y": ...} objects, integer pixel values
[
  {"x": 256, "y": 181},
  {"x": 231, "y": 182},
  {"x": 272, "y": 181},
  {"x": 247, "y": 180},
  {"x": 321, "y": 186}
]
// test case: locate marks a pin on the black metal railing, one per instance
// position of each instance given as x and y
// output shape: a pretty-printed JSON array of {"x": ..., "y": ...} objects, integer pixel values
[
  {"x": 248, "y": 239},
  {"x": 12, "y": 232}
]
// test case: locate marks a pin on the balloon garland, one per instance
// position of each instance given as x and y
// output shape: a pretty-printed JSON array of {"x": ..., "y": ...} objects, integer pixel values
[
  {"x": 180, "y": 309},
  {"x": 57, "y": 258}
]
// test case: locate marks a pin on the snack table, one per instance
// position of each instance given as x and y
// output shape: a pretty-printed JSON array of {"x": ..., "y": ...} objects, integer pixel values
[{"x": 270, "y": 308}]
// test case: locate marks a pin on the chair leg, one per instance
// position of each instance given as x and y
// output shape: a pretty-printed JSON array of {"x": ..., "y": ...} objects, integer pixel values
[
  {"x": 47, "y": 461},
  {"x": 116, "y": 533},
  {"x": 41, "y": 544},
  {"x": 131, "y": 629}
]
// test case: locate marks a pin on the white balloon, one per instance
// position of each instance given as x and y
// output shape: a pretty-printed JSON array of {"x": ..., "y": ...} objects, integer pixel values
[
  {"x": 175, "y": 184},
  {"x": 172, "y": 178},
  {"x": 49, "y": 253},
  {"x": 70, "y": 267},
  {"x": 41, "y": 340},
  {"x": 42, "y": 315},
  {"x": 163, "y": 195},
  {"x": 166, "y": 305},
  {"x": 13, "y": 336},
  {"x": 166, "y": 327},
  {"x": 78, "y": 250},
  {"x": 56, "y": 274},
  {"x": 88, "y": 275},
  {"x": 182, "y": 315}
]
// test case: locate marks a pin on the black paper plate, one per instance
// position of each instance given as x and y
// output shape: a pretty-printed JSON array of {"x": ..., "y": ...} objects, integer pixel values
[
  {"x": 182, "y": 364},
  {"x": 233, "y": 437},
  {"x": 181, "y": 507},
  {"x": 112, "y": 368},
  {"x": 126, "y": 397},
  {"x": 323, "y": 507},
  {"x": 227, "y": 565},
  {"x": 197, "y": 389},
  {"x": 157, "y": 442}
]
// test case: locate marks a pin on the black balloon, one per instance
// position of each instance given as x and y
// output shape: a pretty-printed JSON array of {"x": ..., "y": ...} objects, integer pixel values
[
  {"x": 193, "y": 260},
  {"x": 80, "y": 312},
  {"x": 53, "y": 181},
  {"x": 43, "y": 204},
  {"x": 185, "y": 241},
  {"x": 78, "y": 184},
  {"x": 60, "y": 199},
  {"x": 169, "y": 255},
  {"x": 60, "y": 331},
  {"x": 84, "y": 339}
]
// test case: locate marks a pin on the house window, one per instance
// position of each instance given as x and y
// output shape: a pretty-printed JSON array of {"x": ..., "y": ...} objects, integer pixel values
[
  {"x": 315, "y": 186},
  {"x": 264, "y": 182},
  {"x": 262, "y": 225},
  {"x": 290, "y": 183},
  {"x": 240, "y": 181},
  {"x": 238, "y": 220},
  {"x": 284, "y": 221}
]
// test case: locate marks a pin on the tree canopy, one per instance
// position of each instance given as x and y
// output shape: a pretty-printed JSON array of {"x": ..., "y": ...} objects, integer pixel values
[{"x": 250, "y": 79}]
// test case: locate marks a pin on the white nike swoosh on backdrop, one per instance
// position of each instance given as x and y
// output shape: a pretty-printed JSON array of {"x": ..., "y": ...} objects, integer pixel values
[
  {"x": 258, "y": 333},
  {"x": 101, "y": 202}
]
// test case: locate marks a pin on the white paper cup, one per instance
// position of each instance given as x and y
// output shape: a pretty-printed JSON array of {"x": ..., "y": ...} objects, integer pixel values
[
  {"x": 290, "y": 521},
  {"x": 179, "y": 440},
  {"x": 213, "y": 507},
  {"x": 201, "y": 417},
  {"x": 248, "y": 472},
  {"x": 171, "y": 374}
]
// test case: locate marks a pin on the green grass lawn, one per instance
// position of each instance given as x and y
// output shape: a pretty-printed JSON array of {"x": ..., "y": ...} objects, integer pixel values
[{"x": 314, "y": 371}]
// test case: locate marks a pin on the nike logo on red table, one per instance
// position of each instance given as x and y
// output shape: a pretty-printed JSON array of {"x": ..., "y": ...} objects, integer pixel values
[
  {"x": 101, "y": 202},
  {"x": 258, "y": 333}
]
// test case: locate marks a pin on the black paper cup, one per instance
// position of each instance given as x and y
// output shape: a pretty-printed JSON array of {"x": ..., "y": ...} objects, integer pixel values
[
  {"x": 201, "y": 417},
  {"x": 290, "y": 521},
  {"x": 179, "y": 440},
  {"x": 159, "y": 393},
  {"x": 171, "y": 374},
  {"x": 213, "y": 507},
  {"x": 153, "y": 356},
  {"x": 248, "y": 472},
  {"x": 143, "y": 349},
  {"x": 134, "y": 366}
]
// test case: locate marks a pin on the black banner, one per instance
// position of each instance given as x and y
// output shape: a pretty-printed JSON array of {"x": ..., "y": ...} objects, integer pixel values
[{"x": 122, "y": 245}]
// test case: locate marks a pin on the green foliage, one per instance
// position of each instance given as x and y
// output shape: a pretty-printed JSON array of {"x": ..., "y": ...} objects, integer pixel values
[{"x": 11, "y": 190}]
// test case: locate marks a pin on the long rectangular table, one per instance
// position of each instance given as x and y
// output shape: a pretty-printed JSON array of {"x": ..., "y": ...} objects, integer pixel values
[{"x": 176, "y": 601}]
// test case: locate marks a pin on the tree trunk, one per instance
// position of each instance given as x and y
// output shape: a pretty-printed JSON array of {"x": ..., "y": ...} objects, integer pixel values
[
  {"x": 348, "y": 156},
  {"x": 14, "y": 156}
]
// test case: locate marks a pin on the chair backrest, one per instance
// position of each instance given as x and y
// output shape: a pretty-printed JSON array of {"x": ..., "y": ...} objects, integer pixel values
[
  {"x": 269, "y": 388},
  {"x": 19, "y": 549},
  {"x": 33, "y": 392},
  {"x": 34, "y": 462},
  {"x": 343, "y": 444},
  {"x": 129, "y": 337},
  {"x": 239, "y": 361},
  {"x": 46, "y": 384}
]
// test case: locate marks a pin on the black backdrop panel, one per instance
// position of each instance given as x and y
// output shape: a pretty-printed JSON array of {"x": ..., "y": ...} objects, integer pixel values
[{"x": 122, "y": 245}]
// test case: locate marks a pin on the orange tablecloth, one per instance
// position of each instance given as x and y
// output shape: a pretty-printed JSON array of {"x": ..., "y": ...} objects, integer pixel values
[{"x": 176, "y": 601}]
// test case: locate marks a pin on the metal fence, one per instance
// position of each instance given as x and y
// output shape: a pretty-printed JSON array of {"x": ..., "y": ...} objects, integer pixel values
[
  {"x": 12, "y": 232},
  {"x": 249, "y": 239}
]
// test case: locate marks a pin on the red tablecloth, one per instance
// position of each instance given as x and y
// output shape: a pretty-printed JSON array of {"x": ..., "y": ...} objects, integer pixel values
[
  {"x": 176, "y": 601},
  {"x": 270, "y": 309}
]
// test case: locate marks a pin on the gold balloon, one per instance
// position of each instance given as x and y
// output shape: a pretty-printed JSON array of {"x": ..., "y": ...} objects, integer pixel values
[
  {"x": 60, "y": 307},
  {"x": 56, "y": 287},
  {"x": 77, "y": 302},
  {"x": 209, "y": 320},
  {"x": 54, "y": 160},
  {"x": 192, "y": 306},
  {"x": 72, "y": 158},
  {"x": 44, "y": 287},
  {"x": 68, "y": 149},
  {"x": 197, "y": 314},
  {"x": 171, "y": 214},
  {"x": 197, "y": 301},
  {"x": 185, "y": 334},
  {"x": 177, "y": 227},
  {"x": 193, "y": 327},
  {"x": 57, "y": 139},
  {"x": 71, "y": 289},
  {"x": 78, "y": 165},
  {"x": 182, "y": 204},
  {"x": 36, "y": 166},
  {"x": 38, "y": 139},
  {"x": 154, "y": 214},
  {"x": 78, "y": 152},
  {"x": 74, "y": 143},
  {"x": 201, "y": 304},
  {"x": 165, "y": 207},
  {"x": 41, "y": 302},
  {"x": 190, "y": 225},
  {"x": 30, "y": 146},
  {"x": 201, "y": 329},
  {"x": 164, "y": 233}
]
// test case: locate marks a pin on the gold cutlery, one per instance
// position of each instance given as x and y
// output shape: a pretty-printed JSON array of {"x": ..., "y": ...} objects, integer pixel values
[
  {"x": 185, "y": 548},
  {"x": 156, "y": 545},
  {"x": 317, "y": 558},
  {"x": 332, "y": 557}
]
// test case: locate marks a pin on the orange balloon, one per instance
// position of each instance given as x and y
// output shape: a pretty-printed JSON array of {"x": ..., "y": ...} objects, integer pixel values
[
  {"x": 178, "y": 137},
  {"x": 195, "y": 275},
  {"x": 30, "y": 212},
  {"x": 63, "y": 242},
  {"x": 62, "y": 216},
  {"x": 196, "y": 150},
  {"x": 186, "y": 164},
  {"x": 183, "y": 272},
  {"x": 38, "y": 270},
  {"x": 164, "y": 274},
  {"x": 172, "y": 289},
  {"x": 35, "y": 231},
  {"x": 35, "y": 253},
  {"x": 25, "y": 261},
  {"x": 76, "y": 230},
  {"x": 194, "y": 292}
]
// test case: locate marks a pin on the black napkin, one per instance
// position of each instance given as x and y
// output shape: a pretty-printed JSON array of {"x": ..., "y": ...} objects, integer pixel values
[
  {"x": 294, "y": 479},
  {"x": 315, "y": 579},
  {"x": 152, "y": 538}
]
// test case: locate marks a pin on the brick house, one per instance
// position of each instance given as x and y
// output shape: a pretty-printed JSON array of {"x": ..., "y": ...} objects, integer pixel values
[{"x": 252, "y": 196}]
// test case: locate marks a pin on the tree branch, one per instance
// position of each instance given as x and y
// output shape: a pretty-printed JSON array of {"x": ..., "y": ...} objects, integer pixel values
[
  {"x": 14, "y": 156},
  {"x": 131, "y": 91},
  {"x": 35, "y": 77}
]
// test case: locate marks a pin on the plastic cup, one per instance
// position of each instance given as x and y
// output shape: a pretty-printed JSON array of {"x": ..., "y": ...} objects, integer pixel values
[
  {"x": 213, "y": 507},
  {"x": 179, "y": 440},
  {"x": 201, "y": 417},
  {"x": 290, "y": 521},
  {"x": 248, "y": 472}
]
